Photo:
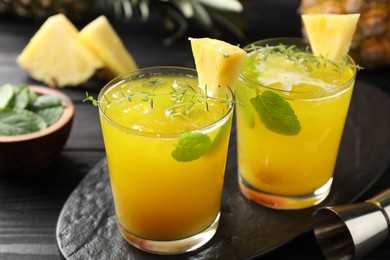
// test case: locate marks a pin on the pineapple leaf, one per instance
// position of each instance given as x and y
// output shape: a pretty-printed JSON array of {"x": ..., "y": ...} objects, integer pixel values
[
  {"x": 185, "y": 7},
  {"x": 127, "y": 9},
  {"x": 119, "y": 5},
  {"x": 171, "y": 15},
  {"x": 144, "y": 9},
  {"x": 176, "y": 13},
  {"x": 230, "y": 21},
  {"x": 225, "y": 5},
  {"x": 201, "y": 14}
]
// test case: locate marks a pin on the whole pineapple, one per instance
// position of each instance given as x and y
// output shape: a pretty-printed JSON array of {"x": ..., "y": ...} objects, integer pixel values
[
  {"x": 40, "y": 9},
  {"x": 371, "y": 43}
]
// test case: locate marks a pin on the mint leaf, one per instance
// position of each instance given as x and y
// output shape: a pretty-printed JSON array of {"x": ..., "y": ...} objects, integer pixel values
[
  {"x": 49, "y": 107},
  {"x": 191, "y": 146},
  {"x": 18, "y": 122},
  {"x": 32, "y": 97},
  {"x": 22, "y": 111},
  {"x": 46, "y": 101},
  {"x": 6, "y": 95},
  {"x": 21, "y": 97},
  {"x": 50, "y": 114},
  {"x": 276, "y": 113}
]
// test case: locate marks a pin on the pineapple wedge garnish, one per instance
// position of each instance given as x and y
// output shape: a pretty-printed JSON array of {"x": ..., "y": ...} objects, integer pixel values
[
  {"x": 56, "y": 55},
  {"x": 330, "y": 35},
  {"x": 101, "y": 37},
  {"x": 218, "y": 64}
]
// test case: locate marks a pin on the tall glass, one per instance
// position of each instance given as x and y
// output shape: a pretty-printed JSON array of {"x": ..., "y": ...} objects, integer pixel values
[
  {"x": 166, "y": 143},
  {"x": 290, "y": 123}
]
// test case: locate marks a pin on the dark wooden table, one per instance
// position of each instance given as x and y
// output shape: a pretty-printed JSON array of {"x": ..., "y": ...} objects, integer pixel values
[{"x": 30, "y": 205}]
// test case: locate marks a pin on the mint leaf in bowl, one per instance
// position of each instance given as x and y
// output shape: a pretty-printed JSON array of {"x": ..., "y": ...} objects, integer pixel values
[
  {"x": 22, "y": 97},
  {"x": 49, "y": 107},
  {"x": 27, "y": 142},
  {"x": 50, "y": 114},
  {"x": 6, "y": 95},
  {"x": 18, "y": 122},
  {"x": 45, "y": 101},
  {"x": 23, "y": 111}
]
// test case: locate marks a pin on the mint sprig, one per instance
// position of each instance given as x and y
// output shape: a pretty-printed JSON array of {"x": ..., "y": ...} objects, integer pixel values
[
  {"x": 191, "y": 146},
  {"x": 276, "y": 113}
]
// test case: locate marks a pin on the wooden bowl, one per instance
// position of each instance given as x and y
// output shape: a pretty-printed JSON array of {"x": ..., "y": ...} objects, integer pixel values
[{"x": 32, "y": 152}]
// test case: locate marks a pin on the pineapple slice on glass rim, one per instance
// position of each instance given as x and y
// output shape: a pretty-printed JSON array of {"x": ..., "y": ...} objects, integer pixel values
[
  {"x": 371, "y": 42},
  {"x": 218, "y": 64},
  {"x": 330, "y": 35}
]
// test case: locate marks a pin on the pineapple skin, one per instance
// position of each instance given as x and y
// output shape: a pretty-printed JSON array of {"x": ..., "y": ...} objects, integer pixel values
[
  {"x": 102, "y": 39},
  {"x": 56, "y": 55},
  {"x": 42, "y": 9},
  {"x": 370, "y": 46}
]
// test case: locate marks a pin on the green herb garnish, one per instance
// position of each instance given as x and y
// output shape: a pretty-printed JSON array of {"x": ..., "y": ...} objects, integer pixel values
[
  {"x": 177, "y": 95},
  {"x": 191, "y": 146},
  {"x": 276, "y": 113},
  {"x": 22, "y": 111},
  {"x": 303, "y": 57}
]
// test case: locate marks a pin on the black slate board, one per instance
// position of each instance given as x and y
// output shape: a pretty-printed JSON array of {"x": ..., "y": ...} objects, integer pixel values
[{"x": 86, "y": 228}]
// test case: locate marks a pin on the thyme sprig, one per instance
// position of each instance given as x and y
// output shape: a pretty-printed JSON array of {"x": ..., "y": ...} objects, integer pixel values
[
  {"x": 197, "y": 96},
  {"x": 302, "y": 57}
]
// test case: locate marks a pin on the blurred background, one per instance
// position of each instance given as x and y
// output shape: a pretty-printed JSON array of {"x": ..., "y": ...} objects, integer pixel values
[{"x": 168, "y": 24}]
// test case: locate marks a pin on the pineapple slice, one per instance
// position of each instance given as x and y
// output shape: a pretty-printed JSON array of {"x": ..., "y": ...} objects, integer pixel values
[
  {"x": 56, "y": 55},
  {"x": 218, "y": 64},
  {"x": 106, "y": 44},
  {"x": 330, "y": 35}
]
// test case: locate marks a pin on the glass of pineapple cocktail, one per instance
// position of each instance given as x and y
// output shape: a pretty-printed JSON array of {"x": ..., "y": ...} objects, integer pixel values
[
  {"x": 291, "y": 122},
  {"x": 166, "y": 142}
]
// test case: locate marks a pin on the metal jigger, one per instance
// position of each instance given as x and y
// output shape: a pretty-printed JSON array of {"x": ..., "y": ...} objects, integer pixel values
[{"x": 352, "y": 231}]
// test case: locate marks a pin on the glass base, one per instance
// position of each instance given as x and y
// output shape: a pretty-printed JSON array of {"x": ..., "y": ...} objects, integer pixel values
[
  {"x": 284, "y": 202},
  {"x": 172, "y": 247}
]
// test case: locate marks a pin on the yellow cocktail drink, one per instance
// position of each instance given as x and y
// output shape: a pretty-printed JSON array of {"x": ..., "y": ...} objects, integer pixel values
[
  {"x": 291, "y": 122},
  {"x": 166, "y": 143}
]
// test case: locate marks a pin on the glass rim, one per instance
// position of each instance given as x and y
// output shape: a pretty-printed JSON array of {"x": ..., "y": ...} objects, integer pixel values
[
  {"x": 161, "y": 70},
  {"x": 303, "y": 41}
]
